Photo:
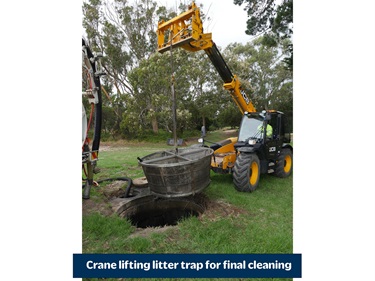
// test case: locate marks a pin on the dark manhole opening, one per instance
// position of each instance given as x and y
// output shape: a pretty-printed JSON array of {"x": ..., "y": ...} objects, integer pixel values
[{"x": 163, "y": 212}]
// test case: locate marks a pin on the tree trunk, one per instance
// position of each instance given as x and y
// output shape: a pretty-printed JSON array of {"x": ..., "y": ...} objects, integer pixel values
[
  {"x": 155, "y": 126},
  {"x": 203, "y": 120}
]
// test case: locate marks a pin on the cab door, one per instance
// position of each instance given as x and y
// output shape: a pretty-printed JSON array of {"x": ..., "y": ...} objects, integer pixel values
[
  {"x": 274, "y": 143},
  {"x": 272, "y": 148}
]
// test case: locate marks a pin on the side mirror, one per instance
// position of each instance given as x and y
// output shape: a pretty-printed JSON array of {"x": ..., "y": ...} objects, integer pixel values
[{"x": 200, "y": 140}]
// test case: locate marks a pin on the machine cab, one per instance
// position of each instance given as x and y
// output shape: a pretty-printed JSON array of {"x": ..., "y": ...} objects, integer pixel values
[{"x": 264, "y": 131}]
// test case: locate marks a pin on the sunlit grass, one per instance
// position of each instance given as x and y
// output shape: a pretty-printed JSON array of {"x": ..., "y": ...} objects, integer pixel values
[{"x": 262, "y": 222}]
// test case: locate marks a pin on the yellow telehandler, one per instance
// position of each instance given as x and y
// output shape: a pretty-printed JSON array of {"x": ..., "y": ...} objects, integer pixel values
[{"x": 262, "y": 145}]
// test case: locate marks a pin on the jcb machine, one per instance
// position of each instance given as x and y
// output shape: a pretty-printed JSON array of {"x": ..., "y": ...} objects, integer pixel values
[{"x": 262, "y": 145}]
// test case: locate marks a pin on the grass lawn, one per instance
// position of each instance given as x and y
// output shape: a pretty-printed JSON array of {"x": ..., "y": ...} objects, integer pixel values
[{"x": 234, "y": 222}]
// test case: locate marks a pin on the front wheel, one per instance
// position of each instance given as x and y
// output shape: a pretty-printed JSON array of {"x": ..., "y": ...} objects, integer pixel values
[
  {"x": 284, "y": 163},
  {"x": 246, "y": 172}
]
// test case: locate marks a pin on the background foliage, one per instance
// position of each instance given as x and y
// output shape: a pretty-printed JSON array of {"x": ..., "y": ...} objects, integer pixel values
[{"x": 138, "y": 79}]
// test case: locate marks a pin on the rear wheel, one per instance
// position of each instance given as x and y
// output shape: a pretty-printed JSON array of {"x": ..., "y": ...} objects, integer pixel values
[
  {"x": 284, "y": 163},
  {"x": 246, "y": 172}
]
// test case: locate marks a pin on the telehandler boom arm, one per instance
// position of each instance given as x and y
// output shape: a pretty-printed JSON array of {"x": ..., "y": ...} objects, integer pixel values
[{"x": 186, "y": 31}]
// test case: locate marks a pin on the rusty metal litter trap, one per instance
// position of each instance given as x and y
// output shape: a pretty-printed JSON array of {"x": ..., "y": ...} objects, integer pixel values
[{"x": 178, "y": 173}]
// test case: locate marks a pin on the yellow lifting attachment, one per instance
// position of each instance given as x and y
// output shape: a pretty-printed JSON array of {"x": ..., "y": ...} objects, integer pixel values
[{"x": 185, "y": 31}]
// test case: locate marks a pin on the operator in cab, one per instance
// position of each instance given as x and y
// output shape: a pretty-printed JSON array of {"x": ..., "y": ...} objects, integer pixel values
[{"x": 268, "y": 130}]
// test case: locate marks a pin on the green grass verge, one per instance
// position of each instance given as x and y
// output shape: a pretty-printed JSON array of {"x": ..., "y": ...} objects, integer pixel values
[{"x": 257, "y": 222}]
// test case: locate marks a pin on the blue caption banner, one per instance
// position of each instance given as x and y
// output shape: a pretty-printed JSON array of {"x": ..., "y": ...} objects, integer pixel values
[{"x": 187, "y": 265}]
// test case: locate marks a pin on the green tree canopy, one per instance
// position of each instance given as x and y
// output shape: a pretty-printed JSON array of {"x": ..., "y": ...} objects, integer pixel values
[
  {"x": 139, "y": 79},
  {"x": 262, "y": 74},
  {"x": 273, "y": 21}
]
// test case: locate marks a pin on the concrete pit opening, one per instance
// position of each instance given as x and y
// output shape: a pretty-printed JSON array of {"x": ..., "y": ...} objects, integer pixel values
[{"x": 160, "y": 212}]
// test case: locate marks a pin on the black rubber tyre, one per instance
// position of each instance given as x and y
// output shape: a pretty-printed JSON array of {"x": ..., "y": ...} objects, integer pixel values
[
  {"x": 284, "y": 163},
  {"x": 246, "y": 172}
]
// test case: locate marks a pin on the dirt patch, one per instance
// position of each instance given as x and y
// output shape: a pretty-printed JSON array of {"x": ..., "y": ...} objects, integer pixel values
[
  {"x": 113, "y": 148},
  {"x": 100, "y": 204},
  {"x": 216, "y": 209},
  {"x": 147, "y": 232},
  {"x": 231, "y": 132},
  {"x": 114, "y": 189},
  {"x": 96, "y": 205}
]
